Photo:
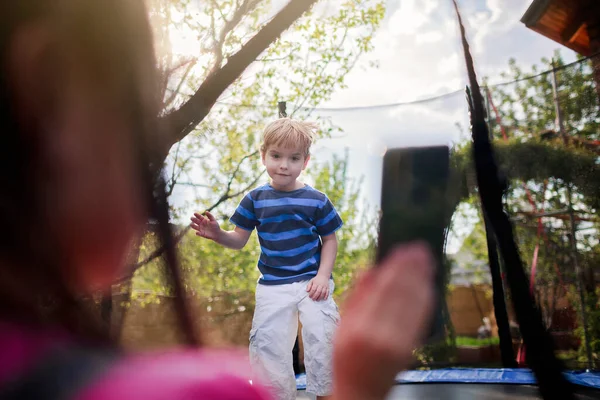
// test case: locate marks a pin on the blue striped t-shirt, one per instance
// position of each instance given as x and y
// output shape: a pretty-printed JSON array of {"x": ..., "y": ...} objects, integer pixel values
[{"x": 289, "y": 226}]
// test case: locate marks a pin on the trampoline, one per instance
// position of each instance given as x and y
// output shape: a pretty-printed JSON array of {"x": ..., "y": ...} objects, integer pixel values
[
  {"x": 475, "y": 383},
  {"x": 468, "y": 391}
]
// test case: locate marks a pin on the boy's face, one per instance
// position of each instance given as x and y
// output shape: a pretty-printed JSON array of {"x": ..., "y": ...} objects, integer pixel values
[{"x": 284, "y": 165}]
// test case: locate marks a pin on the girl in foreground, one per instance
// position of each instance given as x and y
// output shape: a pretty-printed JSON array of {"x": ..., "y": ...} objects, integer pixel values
[{"x": 78, "y": 108}]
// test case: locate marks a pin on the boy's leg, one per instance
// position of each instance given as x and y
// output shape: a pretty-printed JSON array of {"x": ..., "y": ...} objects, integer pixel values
[
  {"x": 274, "y": 329},
  {"x": 319, "y": 320}
]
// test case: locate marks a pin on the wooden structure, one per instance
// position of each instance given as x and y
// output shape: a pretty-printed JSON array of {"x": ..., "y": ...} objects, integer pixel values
[{"x": 573, "y": 23}]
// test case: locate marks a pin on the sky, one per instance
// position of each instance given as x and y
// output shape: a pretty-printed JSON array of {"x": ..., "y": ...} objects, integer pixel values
[{"x": 418, "y": 52}]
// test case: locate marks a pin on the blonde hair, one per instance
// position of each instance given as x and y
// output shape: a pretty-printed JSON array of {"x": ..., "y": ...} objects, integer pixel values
[{"x": 289, "y": 133}]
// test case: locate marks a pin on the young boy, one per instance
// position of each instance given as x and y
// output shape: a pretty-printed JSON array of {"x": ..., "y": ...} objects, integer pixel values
[{"x": 296, "y": 227}]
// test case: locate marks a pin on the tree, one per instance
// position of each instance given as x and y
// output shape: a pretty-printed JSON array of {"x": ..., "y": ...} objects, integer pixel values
[
  {"x": 226, "y": 24},
  {"x": 177, "y": 123},
  {"x": 527, "y": 107}
]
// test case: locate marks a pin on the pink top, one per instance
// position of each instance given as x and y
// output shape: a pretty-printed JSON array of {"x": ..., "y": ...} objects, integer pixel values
[{"x": 181, "y": 374}]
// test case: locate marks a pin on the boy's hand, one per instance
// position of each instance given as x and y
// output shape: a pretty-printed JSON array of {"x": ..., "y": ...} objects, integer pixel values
[
  {"x": 206, "y": 225},
  {"x": 318, "y": 288},
  {"x": 384, "y": 319}
]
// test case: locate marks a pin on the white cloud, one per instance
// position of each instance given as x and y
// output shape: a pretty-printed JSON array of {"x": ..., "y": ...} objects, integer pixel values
[
  {"x": 411, "y": 16},
  {"x": 430, "y": 37},
  {"x": 449, "y": 65}
]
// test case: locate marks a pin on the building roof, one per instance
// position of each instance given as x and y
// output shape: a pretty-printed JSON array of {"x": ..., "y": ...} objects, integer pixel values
[{"x": 563, "y": 21}]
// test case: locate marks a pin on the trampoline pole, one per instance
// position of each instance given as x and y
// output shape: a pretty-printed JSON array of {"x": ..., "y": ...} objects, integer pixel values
[
  {"x": 282, "y": 106},
  {"x": 296, "y": 357},
  {"x": 506, "y": 349},
  {"x": 547, "y": 369},
  {"x": 500, "y": 311}
]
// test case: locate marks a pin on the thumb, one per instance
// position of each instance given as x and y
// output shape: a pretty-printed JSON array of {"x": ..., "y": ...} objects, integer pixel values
[
  {"x": 210, "y": 216},
  {"x": 309, "y": 287}
]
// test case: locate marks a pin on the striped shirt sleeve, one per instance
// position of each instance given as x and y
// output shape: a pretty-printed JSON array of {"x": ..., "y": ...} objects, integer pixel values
[
  {"x": 244, "y": 216},
  {"x": 328, "y": 220}
]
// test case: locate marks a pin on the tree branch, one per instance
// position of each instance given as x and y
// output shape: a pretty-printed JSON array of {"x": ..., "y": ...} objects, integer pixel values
[
  {"x": 229, "y": 26},
  {"x": 181, "y": 122},
  {"x": 172, "y": 184},
  {"x": 237, "y": 169},
  {"x": 282, "y": 58},
  {"x": 250, "y": 185},
  {"x": 167, "y": 102},
  {"x": 192, "y": 184},
  {"x": 321, "y": 70},
  {"x": 176, "y": 173}
]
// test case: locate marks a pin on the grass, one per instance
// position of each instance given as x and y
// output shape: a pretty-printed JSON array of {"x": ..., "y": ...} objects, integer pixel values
[
  {"x": 463, "y": 341},
  {"x": 566, "y": 354}
]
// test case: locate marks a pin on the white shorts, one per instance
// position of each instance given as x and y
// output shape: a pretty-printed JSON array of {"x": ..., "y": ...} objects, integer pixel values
[{"x": 273, "y": 334}]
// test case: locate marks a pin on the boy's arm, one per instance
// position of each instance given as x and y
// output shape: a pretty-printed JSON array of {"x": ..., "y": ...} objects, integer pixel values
[
  {"x": 327, "y": 222},
  {"x": 328, "y": 254},
  {"x": 206, "y": 226},
  {"x": 235, "y": 239},
  {"x": 318, "y": 287}
]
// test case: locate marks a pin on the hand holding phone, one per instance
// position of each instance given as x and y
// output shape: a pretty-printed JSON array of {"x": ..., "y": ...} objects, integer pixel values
[{"x": 414, "y": 208}]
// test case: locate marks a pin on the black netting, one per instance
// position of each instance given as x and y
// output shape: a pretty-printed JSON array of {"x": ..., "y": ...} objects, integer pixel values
[
  {"x": 546, "y": 131},
  {"x": 549, "y": 127}
]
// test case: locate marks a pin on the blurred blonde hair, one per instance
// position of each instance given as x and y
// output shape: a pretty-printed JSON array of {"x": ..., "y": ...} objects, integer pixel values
[{"x": 289, "y": 133}]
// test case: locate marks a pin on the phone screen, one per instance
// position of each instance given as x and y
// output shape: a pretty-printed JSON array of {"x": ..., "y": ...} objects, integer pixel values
[{"x": 414, "y": 207}]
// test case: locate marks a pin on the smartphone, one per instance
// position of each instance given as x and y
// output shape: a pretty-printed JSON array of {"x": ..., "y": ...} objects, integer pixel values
[{"x": 414, "y": 208}]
